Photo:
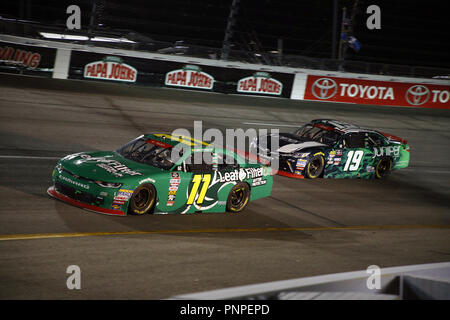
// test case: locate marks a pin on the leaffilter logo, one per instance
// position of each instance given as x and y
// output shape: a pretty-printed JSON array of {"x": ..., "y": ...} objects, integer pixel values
[
  {"x": 417, "y": 95},
  {"x": 324, "y": 88}
]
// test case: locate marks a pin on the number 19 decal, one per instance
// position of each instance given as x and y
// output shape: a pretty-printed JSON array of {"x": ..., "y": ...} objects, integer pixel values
[
  {"x": 197, "y": 180},
  {"x": 353, "y": 160}
]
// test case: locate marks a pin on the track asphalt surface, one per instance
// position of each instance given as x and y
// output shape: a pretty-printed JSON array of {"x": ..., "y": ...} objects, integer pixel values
[{"x": 306, "y": 228}]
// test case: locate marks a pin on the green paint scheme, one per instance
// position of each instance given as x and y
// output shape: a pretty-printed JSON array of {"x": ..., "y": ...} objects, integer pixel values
[
  {"x": 346, "y": 162},
  {"x": 81, "y": 172}
]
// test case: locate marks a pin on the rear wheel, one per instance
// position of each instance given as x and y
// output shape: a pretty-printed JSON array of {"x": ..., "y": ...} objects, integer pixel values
[
  {"x": 142, "y": 200},
  {"x": 238, "y": 197},
  {"x": 314, "y": 168},
  {"x": 383, "y": 168}
]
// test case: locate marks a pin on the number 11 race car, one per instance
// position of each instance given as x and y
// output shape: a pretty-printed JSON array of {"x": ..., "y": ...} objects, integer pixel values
[
  {"x": 144, "y": 177},
  {"x": 334, "y": 149}
]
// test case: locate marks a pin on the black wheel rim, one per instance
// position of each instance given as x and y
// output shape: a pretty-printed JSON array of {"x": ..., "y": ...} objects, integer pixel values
[
  {"x": 314, "y": 167},
  {"x": 237, "y": 197},
  {"x": 383, "y": 168},
  {"x": 142, "y": 198}
]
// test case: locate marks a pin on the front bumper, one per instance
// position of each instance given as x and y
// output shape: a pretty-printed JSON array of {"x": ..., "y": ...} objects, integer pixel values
[{"x": 54, "y": 193}]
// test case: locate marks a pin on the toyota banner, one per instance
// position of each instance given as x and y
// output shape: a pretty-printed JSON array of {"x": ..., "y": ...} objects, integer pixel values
[{"x": 376, "y": 92}]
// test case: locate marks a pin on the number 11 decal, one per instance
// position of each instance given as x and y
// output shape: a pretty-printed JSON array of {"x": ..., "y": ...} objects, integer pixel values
[
  {"x": 197, "y": 180},
  {"x": 353, "y": 160}
]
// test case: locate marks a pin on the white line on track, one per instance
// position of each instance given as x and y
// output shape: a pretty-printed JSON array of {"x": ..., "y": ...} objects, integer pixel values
[
  {"x": 272, "y": 124},
  {"x": 29, "y": 157}
]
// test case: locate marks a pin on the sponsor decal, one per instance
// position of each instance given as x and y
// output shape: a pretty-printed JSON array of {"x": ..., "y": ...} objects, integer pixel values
[
  {"x": 173, "y": 188},
  {"x": 241, "y": 174},
  {"x": 122, "y": 196},
  {"x": 260, "y": 82},
  {"x": 76, "y": 183},
  {"x": 110, "y": 68},
  {"x": 115, "y": 206},
  {"x": 112, "y": 166},
  {"x": 159, "y": 143},
  {"x": 258, "y": 182},
  {"x": 147, "y": 180},
  {"x": 301, "y": 163},
  {"x": 189, "y": 77},
  {"x": 377, "y": 92},
  {"x": 125, "y": 192},
  {"x": 370, "y": 169},
  {"x": 12, "y": 56},
  {"x": 393, "y": 151},
  {"x": 337, "y": 161}
]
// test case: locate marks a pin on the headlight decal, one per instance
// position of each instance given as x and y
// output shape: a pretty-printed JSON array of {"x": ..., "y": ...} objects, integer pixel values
[{"x": 108, "y": 184}]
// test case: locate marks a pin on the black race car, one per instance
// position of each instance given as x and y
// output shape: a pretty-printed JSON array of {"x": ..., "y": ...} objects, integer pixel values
[{"x": 333, "y": 149}]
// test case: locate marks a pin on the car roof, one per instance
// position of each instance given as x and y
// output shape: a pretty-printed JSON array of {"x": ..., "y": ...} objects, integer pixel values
[
  {"x": 174, "y": 140},
  {"x": 341, "y": 126}
]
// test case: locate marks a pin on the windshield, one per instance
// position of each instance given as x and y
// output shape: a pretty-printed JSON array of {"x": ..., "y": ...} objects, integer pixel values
[
  {"x": 319, "y": 134},
  {"x": 148, "y": 151}
]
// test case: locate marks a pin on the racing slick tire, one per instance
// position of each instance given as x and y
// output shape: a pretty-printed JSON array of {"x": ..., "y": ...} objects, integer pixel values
[
  {"x": 238, "y": 197},
  {"x": 383, "y": 168},
  {"x": 315, "y": 166},
  {"x": 142, "y": 200}
]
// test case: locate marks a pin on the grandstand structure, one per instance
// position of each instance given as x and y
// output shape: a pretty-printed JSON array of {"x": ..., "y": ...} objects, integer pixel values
[{"x": 412, "y": 41}]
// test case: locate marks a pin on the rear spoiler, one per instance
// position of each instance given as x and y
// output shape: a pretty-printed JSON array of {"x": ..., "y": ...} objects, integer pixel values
[{"x": 394, "y": 138}]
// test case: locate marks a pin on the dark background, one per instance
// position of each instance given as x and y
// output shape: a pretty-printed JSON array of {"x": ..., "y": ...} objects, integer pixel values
[{"x": 412, "y": 33}]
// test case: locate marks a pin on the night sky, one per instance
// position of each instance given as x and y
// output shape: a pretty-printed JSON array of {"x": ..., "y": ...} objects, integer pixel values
[{"x": 412, "y": 33}]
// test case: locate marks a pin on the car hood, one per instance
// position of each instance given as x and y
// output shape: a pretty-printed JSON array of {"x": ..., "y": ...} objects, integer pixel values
[
  {"x": 108, "y": 166},
  {"x": 288, "y": 143}
]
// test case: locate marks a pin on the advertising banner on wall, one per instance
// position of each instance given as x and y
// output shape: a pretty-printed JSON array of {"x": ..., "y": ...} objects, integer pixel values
[
  {"x": 85, "y": 65},
  {"x": 377, "y": 92},
  {"x": 15, "y": 58},
  {"x": 110, "y": 68},
  {"x": 190, "y": 76},
  {"x": 260, "y": 82}
]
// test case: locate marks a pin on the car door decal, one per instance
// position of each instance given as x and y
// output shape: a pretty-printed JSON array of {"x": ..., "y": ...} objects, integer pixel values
[
  {"x": 197, "y": 180},
  {"x": 353, "y": 160}
]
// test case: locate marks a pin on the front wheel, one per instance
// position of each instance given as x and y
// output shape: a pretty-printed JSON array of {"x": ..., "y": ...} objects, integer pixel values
[
  {"x": 143, "y": 199},
  {"x": 315, "y": 166},
  {"x": 238, "y": 197}
]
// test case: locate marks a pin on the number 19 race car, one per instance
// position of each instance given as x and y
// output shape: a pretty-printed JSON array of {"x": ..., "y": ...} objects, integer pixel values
[
  {"x": 334, "y": 149},
  {"x": 143, "y": 177}
]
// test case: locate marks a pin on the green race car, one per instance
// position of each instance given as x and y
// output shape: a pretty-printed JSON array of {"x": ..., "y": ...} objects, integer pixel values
[
  {"x": 333, "y": 149},
  {"x": 144, "y": 176}
]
